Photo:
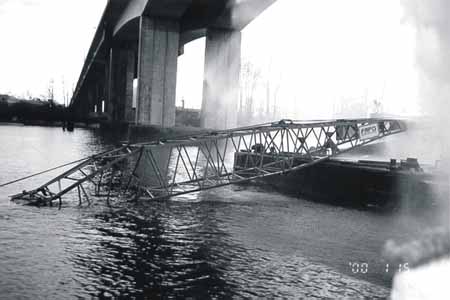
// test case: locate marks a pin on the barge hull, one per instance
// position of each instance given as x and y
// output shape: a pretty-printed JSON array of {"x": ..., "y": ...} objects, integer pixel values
[{"x": 361, "y": 184}]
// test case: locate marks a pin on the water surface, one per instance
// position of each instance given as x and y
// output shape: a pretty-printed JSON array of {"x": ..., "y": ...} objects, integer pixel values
[{"x": 235, "y": 241}]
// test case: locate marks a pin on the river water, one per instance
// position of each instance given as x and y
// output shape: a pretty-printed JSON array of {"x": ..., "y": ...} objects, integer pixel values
[{"x": 235, "y": 241}]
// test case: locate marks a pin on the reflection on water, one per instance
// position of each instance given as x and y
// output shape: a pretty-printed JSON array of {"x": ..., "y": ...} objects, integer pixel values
[
  {"x": 233, "y": 241},
  {"x": 148, "y": 250}
]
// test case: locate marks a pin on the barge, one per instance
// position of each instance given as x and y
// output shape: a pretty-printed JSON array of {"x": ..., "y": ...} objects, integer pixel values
[{"x": 358, "y": 183}]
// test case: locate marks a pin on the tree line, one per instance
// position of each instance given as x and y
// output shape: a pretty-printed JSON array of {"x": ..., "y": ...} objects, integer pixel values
[{"x": 20, "y": 110}]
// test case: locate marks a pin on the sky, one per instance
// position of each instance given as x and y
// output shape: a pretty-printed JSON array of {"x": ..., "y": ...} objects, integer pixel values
[
  {"x": 324, "y": 52},
  {"x": 44, "y": 40}
]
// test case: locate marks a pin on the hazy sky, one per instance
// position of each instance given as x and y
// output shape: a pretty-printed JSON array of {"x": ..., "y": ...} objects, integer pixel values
[
  {"x": 324, "y": 51},
  {"x": 44, "y": 39}
]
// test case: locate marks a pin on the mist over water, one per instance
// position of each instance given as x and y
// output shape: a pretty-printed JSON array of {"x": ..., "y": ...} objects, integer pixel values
[
  {"x": 432, "y": 30},
  {"x": 431, "y": 22},
  {"x": 429, "y": 137}
]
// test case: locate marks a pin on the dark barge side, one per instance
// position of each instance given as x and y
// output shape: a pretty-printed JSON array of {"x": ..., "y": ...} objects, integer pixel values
[{"x": 362, "y": 183}]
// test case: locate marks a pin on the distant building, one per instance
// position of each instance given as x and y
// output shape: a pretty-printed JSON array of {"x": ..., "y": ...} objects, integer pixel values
[{"x": 187, "y": 117}]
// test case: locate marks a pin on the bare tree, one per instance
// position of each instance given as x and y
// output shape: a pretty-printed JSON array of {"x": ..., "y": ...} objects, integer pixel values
[
  {"x": 378, "y": 107},
  {"x": 50, "y": 90},
  {"x": 250, "y": 77},
  {"x": 272, "y": 85},
  {"x": 65, "y": 93},
  {"x": 29, "y": 95},
  {"x": 275, "y": 100}
]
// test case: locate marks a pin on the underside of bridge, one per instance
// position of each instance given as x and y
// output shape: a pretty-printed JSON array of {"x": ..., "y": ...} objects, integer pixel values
[{"x": 129, "y": 75}]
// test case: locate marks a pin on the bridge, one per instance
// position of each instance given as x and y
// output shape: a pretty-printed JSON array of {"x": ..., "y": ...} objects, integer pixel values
[
  {"x": 129, "y": 74},
  {"x": 166, "y": 168}
]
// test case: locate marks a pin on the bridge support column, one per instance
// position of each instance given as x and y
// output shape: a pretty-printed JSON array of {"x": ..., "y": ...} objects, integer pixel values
[
  {"x": 221, "y": 79},
  {"x": 83, "y": 110},
  {"x": 130, "y": 112},
  {"x": 99, "y": 92},
  {"x": 157, "y": 71},
  {"x": 120, "y": 80},
  {"x": 90, "y": 100},
  {"x": 106, "y": 97},
  {"x": 113, "y": 84}
]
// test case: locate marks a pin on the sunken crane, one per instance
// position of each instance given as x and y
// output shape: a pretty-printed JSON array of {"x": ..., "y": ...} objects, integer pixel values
[{"x": 166, "y": 168}]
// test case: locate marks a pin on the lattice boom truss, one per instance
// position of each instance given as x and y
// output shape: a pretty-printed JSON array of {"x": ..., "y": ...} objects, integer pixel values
[{"x": 167, "y": 168}]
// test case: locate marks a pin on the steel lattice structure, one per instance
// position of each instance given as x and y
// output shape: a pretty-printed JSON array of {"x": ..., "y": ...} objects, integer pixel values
[{"x": 166, "y": 168}]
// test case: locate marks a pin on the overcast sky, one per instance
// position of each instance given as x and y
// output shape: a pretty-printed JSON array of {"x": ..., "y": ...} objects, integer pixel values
[
  {"x": 325, "y": 51},
  {"x": 42, "y": 40}
]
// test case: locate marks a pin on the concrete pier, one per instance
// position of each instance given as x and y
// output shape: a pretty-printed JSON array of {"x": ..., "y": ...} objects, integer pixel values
[
  {"x": 129, "y": 110},
  {"x": 157, "y": 71},
  {"x": 221, "y": 79}
]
